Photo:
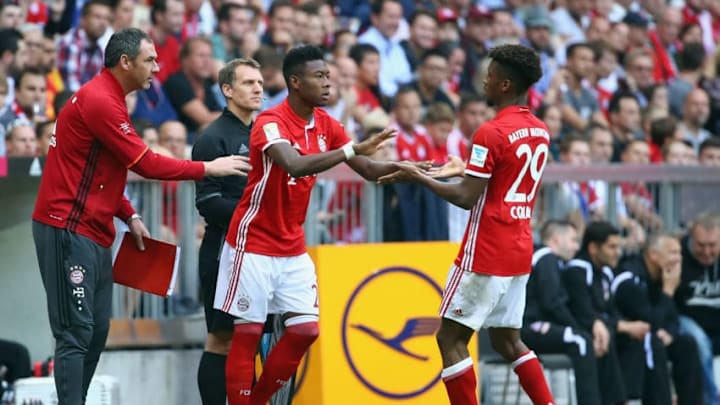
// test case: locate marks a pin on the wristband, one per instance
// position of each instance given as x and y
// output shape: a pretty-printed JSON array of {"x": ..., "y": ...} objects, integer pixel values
[
  {"x": 349, "y": 151},
  {"x": 133, "y": 217}
]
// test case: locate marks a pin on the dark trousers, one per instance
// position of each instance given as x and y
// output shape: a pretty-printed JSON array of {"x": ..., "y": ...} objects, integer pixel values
[
  {"x": 686, "y": 370},
  {"x": 16, "y": 359},
  {"x": 594, "y": 382},
  {"x": 645, "y": 370},
  {"x": 423, "y": 215},
  {"x": 77, "y": 276}
]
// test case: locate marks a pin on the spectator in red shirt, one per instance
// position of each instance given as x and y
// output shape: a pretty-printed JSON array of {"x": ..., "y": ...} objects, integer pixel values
[
  {"x": 167, "y": 18},
  {"x": 80, "y": 192},
  {"x": 367, "y": 59},
  {"x": 439, "y": 121},
  {"x": 662, "y": 132}
]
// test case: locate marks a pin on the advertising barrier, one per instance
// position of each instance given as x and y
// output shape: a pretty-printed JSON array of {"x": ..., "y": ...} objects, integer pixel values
[{"x": 378, "y": 317}]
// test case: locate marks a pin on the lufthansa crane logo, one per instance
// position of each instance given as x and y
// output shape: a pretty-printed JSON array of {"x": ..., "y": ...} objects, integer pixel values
[{"x": 388, "y": 329}]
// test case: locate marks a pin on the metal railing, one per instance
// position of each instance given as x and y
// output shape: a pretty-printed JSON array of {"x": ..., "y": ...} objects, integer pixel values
[{"x": 344, "y": 208}]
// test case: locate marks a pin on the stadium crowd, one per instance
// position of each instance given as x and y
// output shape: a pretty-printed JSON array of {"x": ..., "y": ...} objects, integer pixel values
[{"x": 625, "y": 82}]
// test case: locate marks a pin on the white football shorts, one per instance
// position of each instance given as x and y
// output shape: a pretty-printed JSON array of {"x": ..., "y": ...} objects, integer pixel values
[
  {"x": 480, "y": 300},
  {"x": 250, "y": 286}
]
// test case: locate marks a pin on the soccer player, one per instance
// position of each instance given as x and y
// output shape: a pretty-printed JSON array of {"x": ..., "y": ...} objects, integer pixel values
[
  {"x": 264, "y": 266},
  {"x": 216, "y": 198},
  {"x": 486, "y": 285},
  {"x": 91, "y": 150}
]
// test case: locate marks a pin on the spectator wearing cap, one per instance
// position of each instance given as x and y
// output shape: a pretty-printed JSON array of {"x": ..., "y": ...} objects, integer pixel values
[
  {"x": 394, "y": 66},
  {"x": 448, "y": 29},
  {"x": 423, "y": 37},
  {"x": 691, "y": 62},
  {"x": 664, "y": 43},
  {"x": 431, "y": 74},
  {"x": 572, "y": 20},
  {"x": 638, "y": 30},
  {"x": 477, "y": 41},
  {"x": 539, "y": 37},
  {"x": 696, "y": 112}
]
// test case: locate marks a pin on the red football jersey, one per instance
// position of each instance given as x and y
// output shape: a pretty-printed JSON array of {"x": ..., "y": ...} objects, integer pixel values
[
  {"x": 510, "y": 151},
  {"x": 269, "y": 218},
  {"x": 415, "y": 147}
]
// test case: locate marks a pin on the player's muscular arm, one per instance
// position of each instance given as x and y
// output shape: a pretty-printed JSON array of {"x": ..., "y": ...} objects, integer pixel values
[
  {"x": 465, "y": 194},
  {"x": 298, "y": 165}
]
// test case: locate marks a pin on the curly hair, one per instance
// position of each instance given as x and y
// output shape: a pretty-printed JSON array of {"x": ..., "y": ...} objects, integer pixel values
[{"x": 520, "y": 63}]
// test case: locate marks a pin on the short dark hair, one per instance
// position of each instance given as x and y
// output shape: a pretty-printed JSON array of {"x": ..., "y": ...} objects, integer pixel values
[
  {"x": 225, "y": 10},
  {"x": 571, "y": 138},
  {"x": 543, "y": 109},
  {"x": 552, "y": 227},
  {"x": 277, "y": 4},
  {"x": 268, "y": 57},
  {"x": 470, "y": 97},
  {"x": 376, "y": 6},
  {"x": 186, "y": 48},
  {"x": 594, "y": 126},
  {"x": 402, "y": 90},
  {"x": 692, "y": 56},
  {"x": 662, "y": 129},
  {"x": 358, "y": 52},
  {"x": 712, "y": 142},
  {"x": 519, "y": 63},
  {"x": 227, "y": 73},
  {"x": 420, "y": 13},
  {"x": 296, "y": 58},
  {"x": 433, "y": 52},
  {"x": 85, "y": 10},
  {"x": 124, "y": 42},
  {"x": 61, "y": 99},
  {"x": 27, "y": 70},
  {"x": 40, "y": 127},
  {"x": 570, "y": 51},
  {"x": 598, "y": 232},
  {"x": 614, "y": 104},
  {"x": 9, "y": 39}
]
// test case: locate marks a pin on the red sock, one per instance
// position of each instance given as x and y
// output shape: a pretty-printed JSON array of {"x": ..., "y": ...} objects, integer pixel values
[
  {"x": 285, "y": 357},
  {"x": 531, "y": 376},
  {"x": 460, "y": 383},
  {"x": 240, "y": 365}
]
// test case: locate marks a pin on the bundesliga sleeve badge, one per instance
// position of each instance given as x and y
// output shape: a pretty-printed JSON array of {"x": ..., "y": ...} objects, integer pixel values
[
  {"x": 478, "y": 155},
  {"x": 271, "y": 131}
]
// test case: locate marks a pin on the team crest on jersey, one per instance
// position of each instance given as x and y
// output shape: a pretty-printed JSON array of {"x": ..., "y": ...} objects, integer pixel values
[
  {"x": 271, "y": 131},
  {"x": 243, "y": 304},
  {"x": 478, "y": 155},
  {"x": 322, "y": 143}
]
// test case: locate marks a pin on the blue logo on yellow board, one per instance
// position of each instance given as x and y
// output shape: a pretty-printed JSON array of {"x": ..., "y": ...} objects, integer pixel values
[{"x": 388, "y": 330}]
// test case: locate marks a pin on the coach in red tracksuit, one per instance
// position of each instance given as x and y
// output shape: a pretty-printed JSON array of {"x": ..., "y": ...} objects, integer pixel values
[{"x": 91, "y": 149}]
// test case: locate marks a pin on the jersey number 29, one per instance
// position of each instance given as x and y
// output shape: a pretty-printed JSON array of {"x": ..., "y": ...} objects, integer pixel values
[{"x": 534, "y": 161}]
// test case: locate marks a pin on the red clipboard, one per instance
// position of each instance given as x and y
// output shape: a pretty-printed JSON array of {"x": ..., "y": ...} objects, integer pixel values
[{"x": 153, "y": 270}]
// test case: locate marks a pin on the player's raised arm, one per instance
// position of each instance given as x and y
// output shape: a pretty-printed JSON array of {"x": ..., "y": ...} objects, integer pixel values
[{"x": 298, "y": 165}]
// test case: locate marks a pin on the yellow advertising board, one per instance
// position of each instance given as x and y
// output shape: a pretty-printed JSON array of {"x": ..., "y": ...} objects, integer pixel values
[{"x": 378, "y": 317}]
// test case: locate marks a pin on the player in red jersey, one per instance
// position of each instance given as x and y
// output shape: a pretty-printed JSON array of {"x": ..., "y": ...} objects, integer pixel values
[
  {"x": 264, "y": 266},
  {"x": 486, "y": 284}
]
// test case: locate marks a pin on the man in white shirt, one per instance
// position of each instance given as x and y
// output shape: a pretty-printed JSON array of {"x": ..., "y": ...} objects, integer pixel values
[{"x": 394, "y": 67}]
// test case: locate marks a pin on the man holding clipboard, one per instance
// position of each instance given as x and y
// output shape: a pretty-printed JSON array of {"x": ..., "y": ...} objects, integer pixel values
[{"x": 91, "y": 149}]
